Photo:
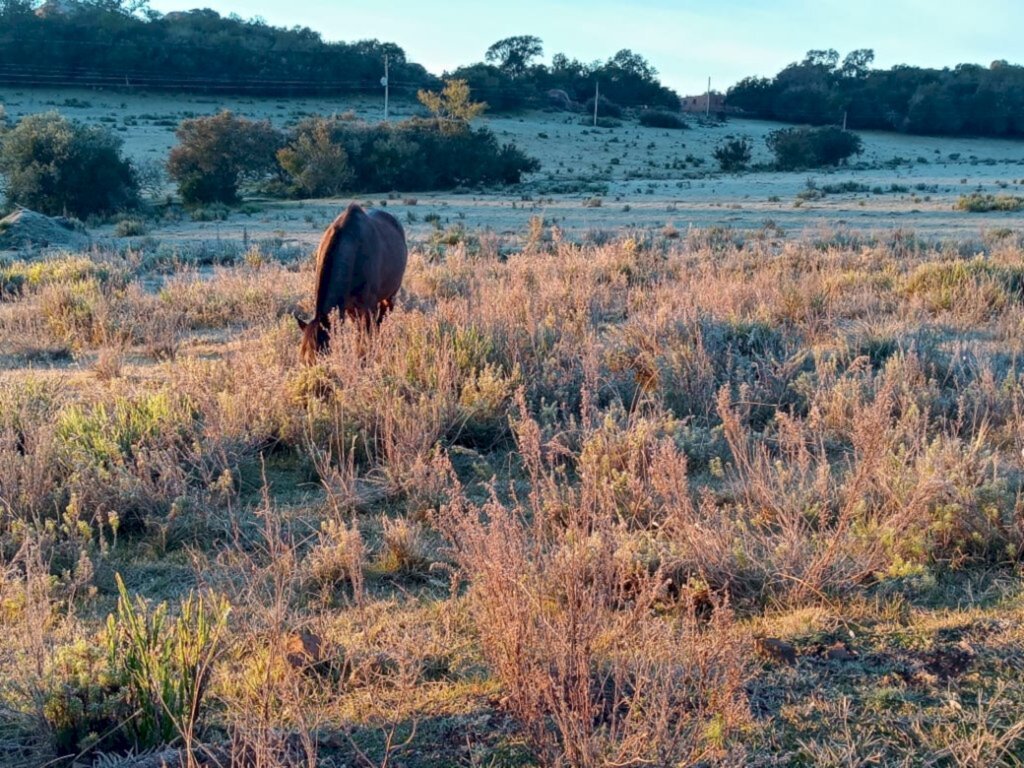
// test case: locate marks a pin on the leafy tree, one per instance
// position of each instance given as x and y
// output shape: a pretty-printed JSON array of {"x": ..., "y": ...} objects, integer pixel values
[
  {"x": 60, "y": 166},
  {"x": 514, "y": 54},
  {"x": 451, "y": 108},
  {"x": 216, "y": 154},
  {"x": 857, "y": 63},
  {"x": 499, "y": 89},
  {"x": 968, "y": 99},
  {"x": 317, "y": 166}
]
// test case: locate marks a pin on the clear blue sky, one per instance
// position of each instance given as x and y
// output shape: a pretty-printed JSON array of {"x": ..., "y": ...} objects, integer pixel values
[{"x": 686, "y": 40}]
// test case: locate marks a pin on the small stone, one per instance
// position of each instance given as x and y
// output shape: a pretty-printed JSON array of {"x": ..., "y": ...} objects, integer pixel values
[
  {"x": 840, "y": 652},
  {"x": 303, "y": 649},
  {"x": 775, "y": 649}
]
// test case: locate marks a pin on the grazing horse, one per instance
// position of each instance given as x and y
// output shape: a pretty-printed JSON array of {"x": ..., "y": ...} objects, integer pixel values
[{"x": 359, "y": 267}]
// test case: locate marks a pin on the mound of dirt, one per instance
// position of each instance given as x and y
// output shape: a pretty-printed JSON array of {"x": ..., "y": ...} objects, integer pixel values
[{"x": 28, "y": 229}]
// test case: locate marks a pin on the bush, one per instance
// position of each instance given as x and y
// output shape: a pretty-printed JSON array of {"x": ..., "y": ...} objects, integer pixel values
[
  {"x": 59, "y": 166},
  {"x": 130, "y": 227},
  {"x": 733, "y": 155},
  {"x": 317, "y": 166},
  {"x": 216, "y": 154},
  {"x": 605, "y": 108},
  {"x": 660, "y": 118},
  {"x": 166, "y": 662},
  {"x": 812, "y": 147},
  {"x": 413, "y": 155},
  {"x": 979, "y": 203}
]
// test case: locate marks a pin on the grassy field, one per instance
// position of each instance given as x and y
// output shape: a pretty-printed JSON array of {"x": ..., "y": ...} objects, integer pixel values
[{"x": 733, "y": 494}]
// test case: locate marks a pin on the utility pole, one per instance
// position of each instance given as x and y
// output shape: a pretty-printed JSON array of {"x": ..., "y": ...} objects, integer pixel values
[
  {"x": 597, "y": 98},
  {"x": 707, "y": 113},
  {"x": 844, "y": 119},
  {"x": 384, "y": 82}
]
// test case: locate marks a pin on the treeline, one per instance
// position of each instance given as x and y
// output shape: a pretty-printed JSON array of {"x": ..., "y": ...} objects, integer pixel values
[
  {"x": 121, "y": 43},
  {"x": 511, "y": 78},
  {"x": 820, "y": 90}
]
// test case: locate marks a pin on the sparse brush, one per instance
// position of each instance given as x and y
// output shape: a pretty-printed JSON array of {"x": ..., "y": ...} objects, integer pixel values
[
  {"x": 339, "y": 557},
  {"x": 405, "y": 550},
  {"x": 567, "y": 623}
]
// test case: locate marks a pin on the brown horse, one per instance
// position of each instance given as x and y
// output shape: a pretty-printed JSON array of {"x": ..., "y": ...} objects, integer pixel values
[{"x": 359, "y": 268}]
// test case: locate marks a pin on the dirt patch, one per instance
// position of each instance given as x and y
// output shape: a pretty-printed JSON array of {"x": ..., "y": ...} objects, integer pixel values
[{"x": 28, "y": 229}]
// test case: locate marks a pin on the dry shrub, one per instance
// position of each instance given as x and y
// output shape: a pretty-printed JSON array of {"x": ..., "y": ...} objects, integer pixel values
[
  {"x": 405, "y": 550},
  {"x": 804, "y": 525},
  {"x": 339, "y": 557},
  {"x": 567, "y": 622},
  {"x": 30, "y": 491},
  {"x": 108, "y": 363}
]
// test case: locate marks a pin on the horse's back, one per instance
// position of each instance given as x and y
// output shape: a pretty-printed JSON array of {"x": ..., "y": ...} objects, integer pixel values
[{"x": 394, "y": 253}]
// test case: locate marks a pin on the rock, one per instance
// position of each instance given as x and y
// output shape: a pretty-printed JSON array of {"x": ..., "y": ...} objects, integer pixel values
[
  {"x": 776, "y": 650},
  {"x": 28, "y": 229},
  {"x": 303, "y": 649},
  {"x": 840, "y": 652},
  {"x": 560, "y": 99}
]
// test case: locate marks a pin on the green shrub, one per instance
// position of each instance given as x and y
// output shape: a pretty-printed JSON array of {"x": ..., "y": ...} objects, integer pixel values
[
  {"x": 812, "y": 147},
  {"x": 733, "y": 155},
  {"x": 412, "y": 155},
  {"x": 130, "y": 228},
  {"x": 605, "y": 108},
  {"x": 19, "y": 276},
  {"x": 980, "y": 203},
  {"x": 316, "y": 165},
  {"x": 216, "y": 154},
  {"x": 108, "y": 438},
  {"x": 84, "y": 700},
  {"x": 59, "y": 166},
  {"x": 166, "y": 663},
  {"x": 947, "y": 285},
  {"x": 660, "y": 118}
]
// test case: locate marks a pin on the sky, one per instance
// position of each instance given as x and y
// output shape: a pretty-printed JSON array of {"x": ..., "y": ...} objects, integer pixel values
[{"x": 687, "y": 41}]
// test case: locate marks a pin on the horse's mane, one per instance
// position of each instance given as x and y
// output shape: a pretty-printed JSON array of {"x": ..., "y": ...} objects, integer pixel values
[{"x": 325, "y": 255}]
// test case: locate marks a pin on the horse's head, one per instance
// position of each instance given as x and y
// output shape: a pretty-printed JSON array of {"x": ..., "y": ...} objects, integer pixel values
[{"x": 315, "y": 338}]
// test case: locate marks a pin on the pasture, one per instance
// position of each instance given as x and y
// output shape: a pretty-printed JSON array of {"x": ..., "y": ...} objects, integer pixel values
[{"x": 700, "y": 473}]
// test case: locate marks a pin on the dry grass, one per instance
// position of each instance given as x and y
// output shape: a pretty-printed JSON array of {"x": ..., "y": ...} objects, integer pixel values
[{"x": 541, "y": 516}]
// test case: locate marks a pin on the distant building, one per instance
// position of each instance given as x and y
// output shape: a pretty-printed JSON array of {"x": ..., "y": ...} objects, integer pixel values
[{"x": 700, "y": 103}]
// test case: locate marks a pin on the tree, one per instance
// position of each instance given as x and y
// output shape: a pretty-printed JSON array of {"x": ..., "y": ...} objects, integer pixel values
[
  {"x": 514, "y": 54},
  {"x": 215, "y": 154},
  {"x": 857, "y": 63},
  {"x": 60, "y": 166},
  {"x": 827, "y": 59},
  {"x": 317, "y": 166},
  {"x": 451, "y": 108}
]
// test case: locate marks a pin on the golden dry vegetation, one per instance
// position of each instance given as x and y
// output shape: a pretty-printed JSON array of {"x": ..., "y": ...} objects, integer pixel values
[{"x": 711, "y": 499}]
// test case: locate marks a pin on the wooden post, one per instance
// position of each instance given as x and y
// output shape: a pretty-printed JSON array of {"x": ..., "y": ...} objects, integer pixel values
[
  {"x": 386, "y": 87},
  {"x": 597, "y": 98},
  {"x": 844, "y": 119},
  {"x": 707, "y": 114}
]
